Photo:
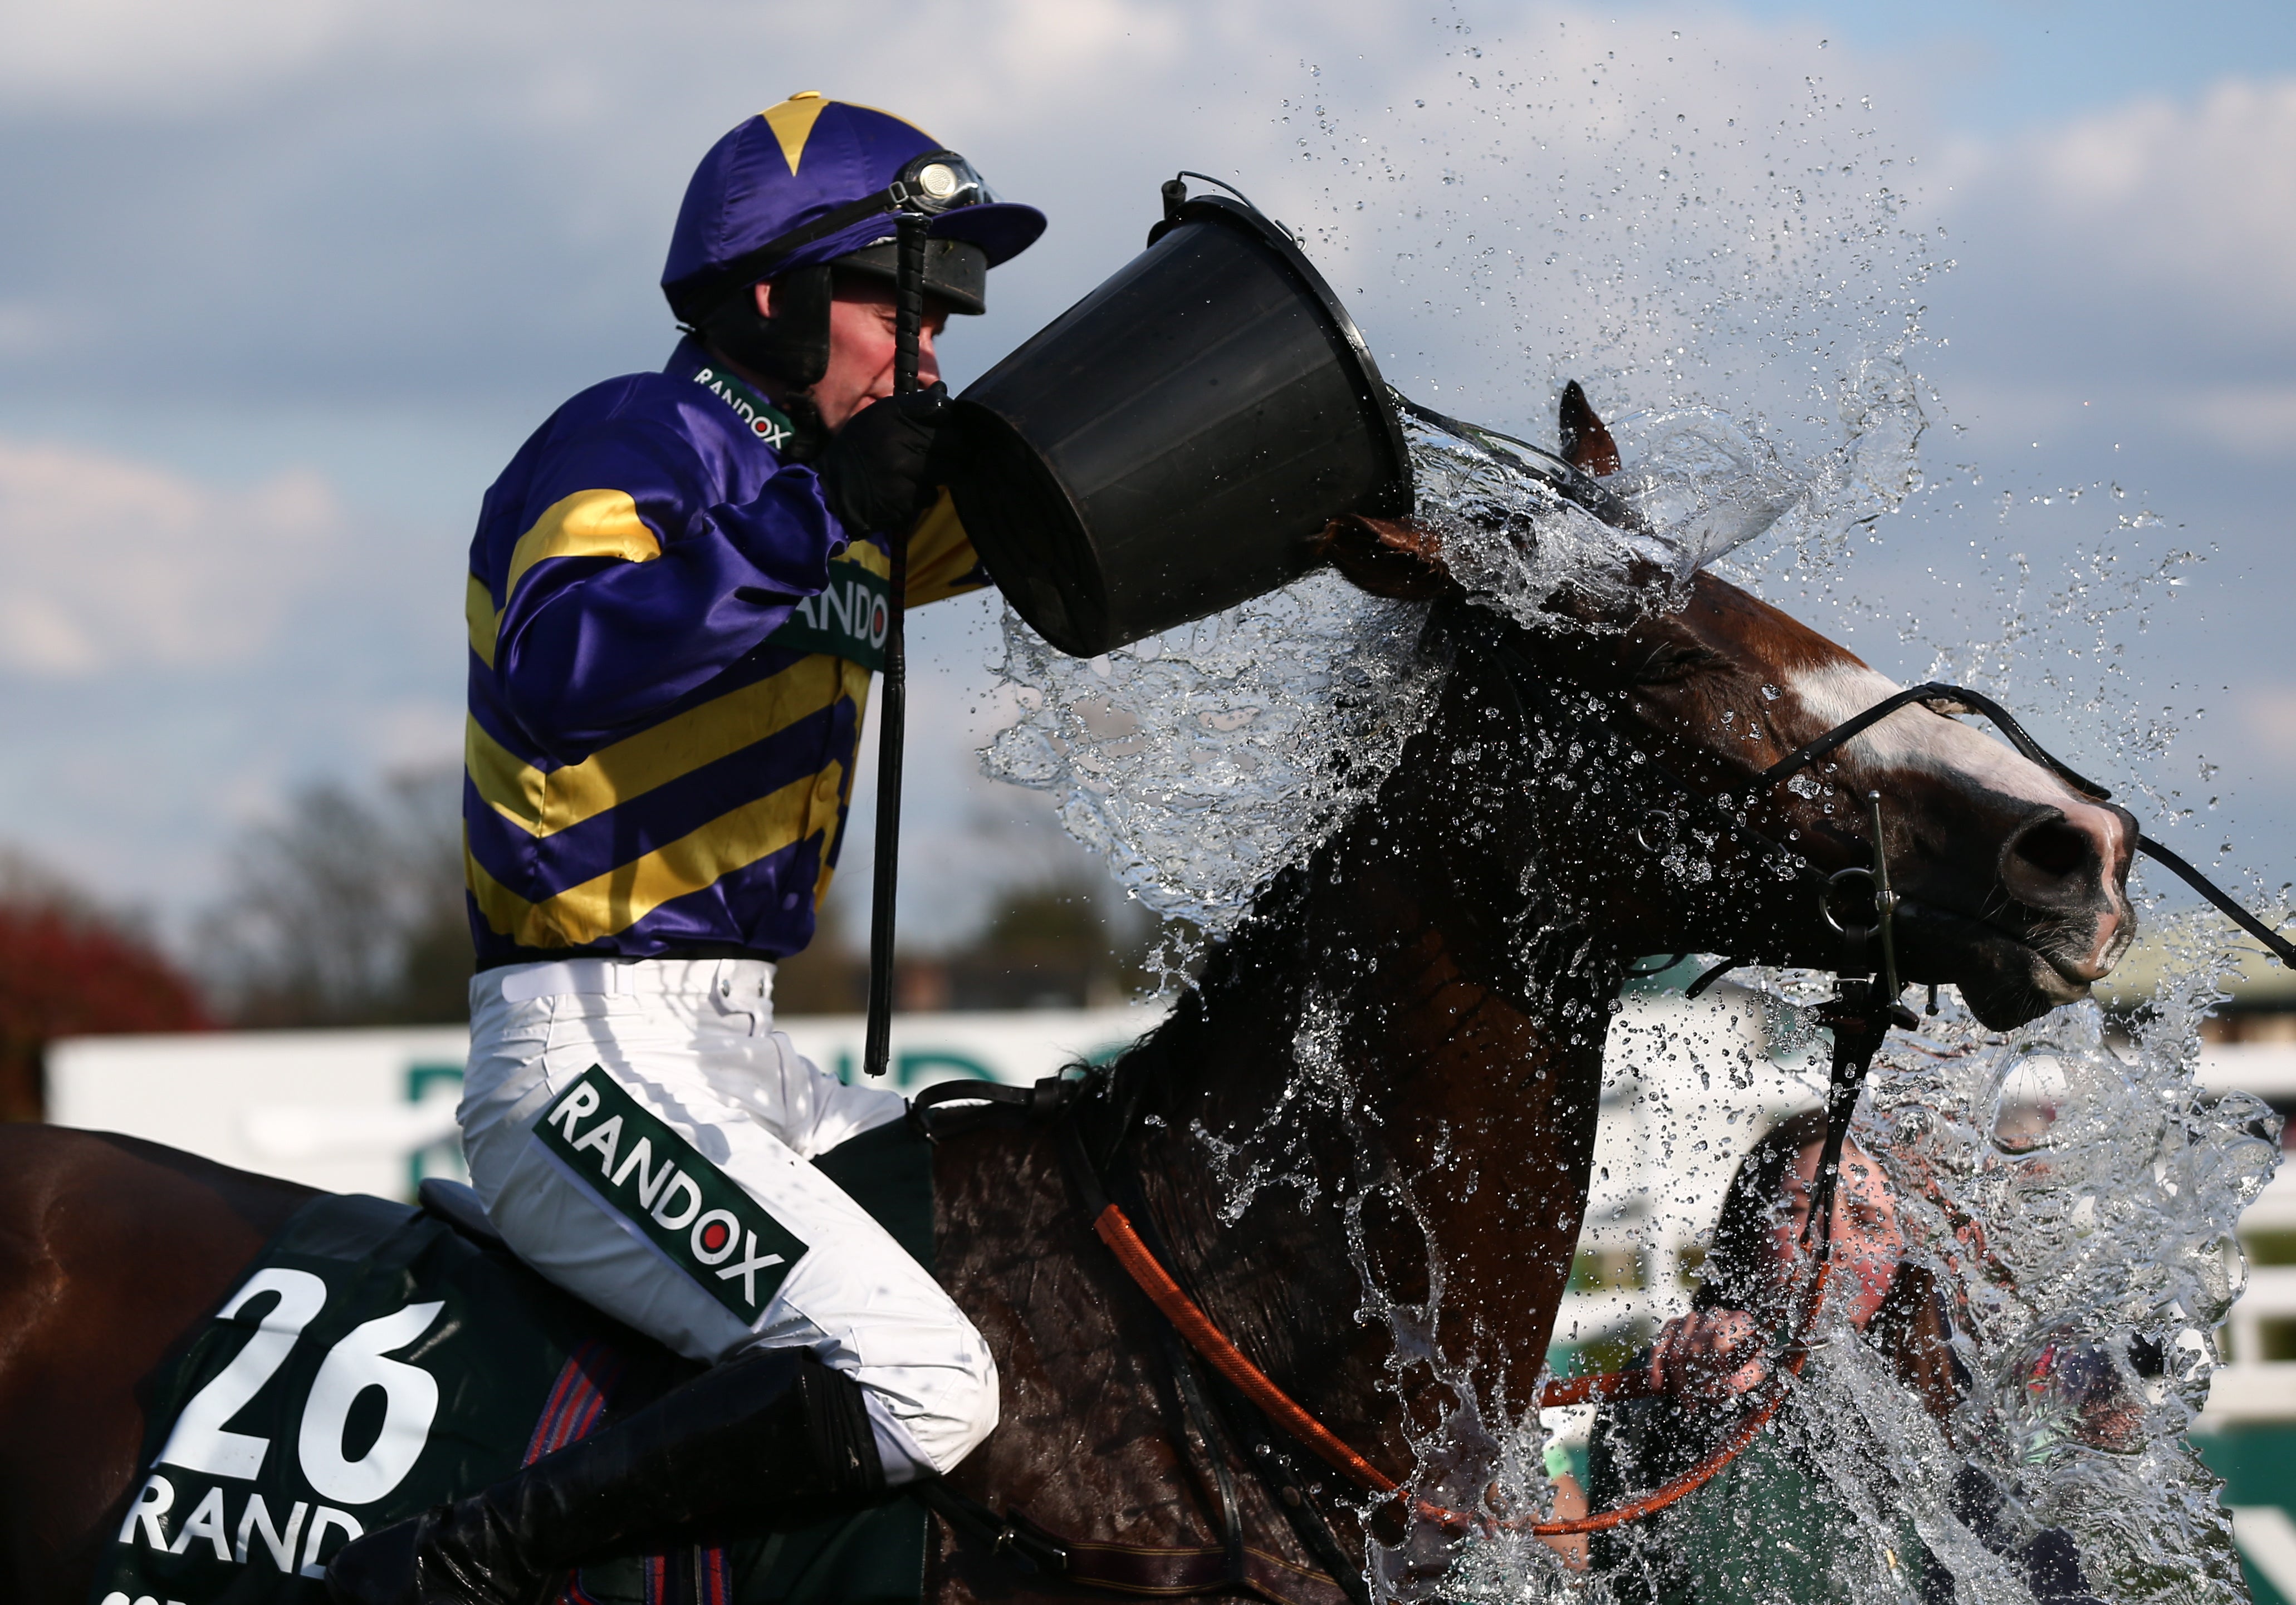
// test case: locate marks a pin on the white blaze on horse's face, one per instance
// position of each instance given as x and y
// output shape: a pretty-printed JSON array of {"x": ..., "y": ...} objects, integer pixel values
[{"x": 2065, "y": 862}]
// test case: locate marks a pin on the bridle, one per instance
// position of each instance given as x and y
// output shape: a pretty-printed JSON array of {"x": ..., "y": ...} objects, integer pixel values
[
  {"x": 1943, "y": 699},
  {"x": 1521, "y": 677},
  {"x": 1864, "y": 1009}
]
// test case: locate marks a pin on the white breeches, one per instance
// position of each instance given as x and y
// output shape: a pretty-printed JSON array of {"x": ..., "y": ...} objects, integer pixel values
[{"x": 626, "y": 1193}]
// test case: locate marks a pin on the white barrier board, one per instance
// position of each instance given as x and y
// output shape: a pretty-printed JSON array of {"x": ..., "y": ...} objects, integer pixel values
[{"x": 373, "y": 1110}]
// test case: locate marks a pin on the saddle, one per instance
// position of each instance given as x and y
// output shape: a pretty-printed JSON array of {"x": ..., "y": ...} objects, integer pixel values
[{"x": 378, "y": 1358}]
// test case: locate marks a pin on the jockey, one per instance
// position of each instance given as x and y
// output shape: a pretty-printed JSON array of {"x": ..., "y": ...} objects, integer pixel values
[{"x": 677, "y": 598}]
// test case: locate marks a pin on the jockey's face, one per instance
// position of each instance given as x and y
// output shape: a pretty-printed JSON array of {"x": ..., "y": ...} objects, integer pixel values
[
  {"x": 1868, "y": 1241},
  {"x": 861, "y": 346}
]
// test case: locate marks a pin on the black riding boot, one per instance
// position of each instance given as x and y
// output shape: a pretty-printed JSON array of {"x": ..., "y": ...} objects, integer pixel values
[{"x": 771, "y": 1429}]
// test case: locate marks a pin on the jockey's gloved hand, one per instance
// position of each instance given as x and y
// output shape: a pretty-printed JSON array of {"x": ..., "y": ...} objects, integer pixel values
[{"x": 874, "y": 473}]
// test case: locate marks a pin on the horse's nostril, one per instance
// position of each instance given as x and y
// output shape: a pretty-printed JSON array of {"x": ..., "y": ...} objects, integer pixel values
[{"x": 2054, "y": 847}]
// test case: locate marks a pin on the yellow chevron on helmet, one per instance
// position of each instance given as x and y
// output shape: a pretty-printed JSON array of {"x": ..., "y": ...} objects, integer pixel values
[
  {"x": 811, "y": 180},
  {"x": 792, "y": 119}
]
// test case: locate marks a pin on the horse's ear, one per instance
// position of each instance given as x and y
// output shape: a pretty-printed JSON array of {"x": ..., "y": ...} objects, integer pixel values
[
  {"x": 1585, "y": 443},
  {"x": 1388, "y": 557}
]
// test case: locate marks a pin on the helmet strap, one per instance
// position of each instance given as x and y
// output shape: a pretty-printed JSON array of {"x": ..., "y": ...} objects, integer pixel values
[
  {"x": 809, "y": 434},
  {"x": 791, "y": 347}
]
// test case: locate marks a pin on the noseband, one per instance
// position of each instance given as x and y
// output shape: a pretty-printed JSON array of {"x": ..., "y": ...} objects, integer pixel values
[{"x": 1943, "y": 698}]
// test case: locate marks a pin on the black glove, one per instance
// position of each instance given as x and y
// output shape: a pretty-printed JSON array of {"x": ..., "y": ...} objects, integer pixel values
[{"x": 874, "y": 472}]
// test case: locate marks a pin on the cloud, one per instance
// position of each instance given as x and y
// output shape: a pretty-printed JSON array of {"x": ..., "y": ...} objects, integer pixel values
[
  {"x": 147, "y": 55},
  {"x": 2252, "y": 421},
  {"x": 413, "y": 733},
  {"x": 2166, "y": 225},
  {"x": 420, "y": 225},
  {"x": 2270, "y": 717},
  {"x": 299, "y": 221},
  {"x": 424, "y": 204},
  {"x": 2238, "y": 422},
  {"x": 117, "y": 564},
  {"x": 2188, "y": 195}
]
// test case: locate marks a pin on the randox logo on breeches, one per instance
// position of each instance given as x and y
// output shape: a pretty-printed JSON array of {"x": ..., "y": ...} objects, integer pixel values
[{"x": 642, "y": 1169}]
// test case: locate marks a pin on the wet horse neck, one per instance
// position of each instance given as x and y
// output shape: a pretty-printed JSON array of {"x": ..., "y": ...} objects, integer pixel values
[{"x": 1372, "y": 1131}]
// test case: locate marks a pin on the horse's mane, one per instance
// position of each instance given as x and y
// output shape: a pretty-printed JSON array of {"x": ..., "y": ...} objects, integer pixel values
[{"x": 1253, "y": 954}]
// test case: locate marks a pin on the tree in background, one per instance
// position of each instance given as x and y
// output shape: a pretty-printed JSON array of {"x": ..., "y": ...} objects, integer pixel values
[
  {"x": 69, "y": 969},
  {"x": 1054, "y": 930},
  {"x": 1068, "y": 943},
  {"x": 349, "y": 911},
  {"x": 830, "y": 976}
]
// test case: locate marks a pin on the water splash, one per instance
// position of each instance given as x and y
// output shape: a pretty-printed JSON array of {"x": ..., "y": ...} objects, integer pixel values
[
  {"x": 1751, "y": 276},
  {"x": 2074, "y": 1196},
  {"x": 1716, "y": 487},
  {"x": 2073, "y": 1193},
  {"x": 1696, "y": 487},
  {"x": 2077, "y": 1196},
  {"x": 1509, "y": 534},
  {"x": 1200, "y": 761}
]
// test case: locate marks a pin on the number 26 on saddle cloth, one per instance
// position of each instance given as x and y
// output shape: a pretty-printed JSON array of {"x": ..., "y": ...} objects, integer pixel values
[{"x": 376, "y": 1361}]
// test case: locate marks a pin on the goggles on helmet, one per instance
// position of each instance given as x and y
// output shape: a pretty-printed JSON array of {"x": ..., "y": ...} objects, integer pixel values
[
  {"x": 937, "y": 181},
  {"x": 929, "y": 185}
]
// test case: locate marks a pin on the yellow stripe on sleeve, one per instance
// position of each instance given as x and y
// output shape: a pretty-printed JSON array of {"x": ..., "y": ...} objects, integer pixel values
[
  {"x": 940, "y": 555},
  {"x": 620, "y": 897},
  {"x": 589, "y": 523},
  {"x": 542, "y": 802},
  {"x": 513, "y": 788},
  {"x": 479, "y": 614}
]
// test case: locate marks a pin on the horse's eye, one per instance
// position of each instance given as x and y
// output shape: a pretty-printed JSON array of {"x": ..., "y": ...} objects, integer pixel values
[{"x": 1664, "y": 665}]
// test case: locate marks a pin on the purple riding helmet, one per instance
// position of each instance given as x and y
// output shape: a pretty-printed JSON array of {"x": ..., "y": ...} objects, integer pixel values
[{"x": 807, "y": 189}]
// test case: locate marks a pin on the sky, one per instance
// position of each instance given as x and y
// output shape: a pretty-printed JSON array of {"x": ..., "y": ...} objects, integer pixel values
[{"x": 284, "y": 283}]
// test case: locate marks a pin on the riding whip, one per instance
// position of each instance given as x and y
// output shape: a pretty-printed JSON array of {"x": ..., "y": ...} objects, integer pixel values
[{"x": 892, "y": 716}]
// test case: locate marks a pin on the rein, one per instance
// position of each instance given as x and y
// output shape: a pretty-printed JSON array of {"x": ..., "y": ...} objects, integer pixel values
[{"x": 1859, "y": 1032}]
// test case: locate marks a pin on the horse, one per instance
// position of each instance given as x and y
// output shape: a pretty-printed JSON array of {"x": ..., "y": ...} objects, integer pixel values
[{"x": 1362, "y": 1140}]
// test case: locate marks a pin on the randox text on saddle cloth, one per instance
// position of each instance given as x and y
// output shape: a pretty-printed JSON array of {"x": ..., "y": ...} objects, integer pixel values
[{"x": 669, "y": 1195}]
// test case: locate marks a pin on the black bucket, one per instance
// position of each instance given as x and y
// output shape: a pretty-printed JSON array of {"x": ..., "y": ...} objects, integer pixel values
[{"x": 1173, "y": 443}]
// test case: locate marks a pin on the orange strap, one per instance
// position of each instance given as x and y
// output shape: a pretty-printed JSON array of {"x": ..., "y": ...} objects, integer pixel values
[{"x": 1116, "y": 1229}]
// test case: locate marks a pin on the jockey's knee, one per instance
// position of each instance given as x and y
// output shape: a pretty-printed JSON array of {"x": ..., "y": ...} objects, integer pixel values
[
  {"x": 928, "y": 1419},
  {"x": 973, "y": 1412}
]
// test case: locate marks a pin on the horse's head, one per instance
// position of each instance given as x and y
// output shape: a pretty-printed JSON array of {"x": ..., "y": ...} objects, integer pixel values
[
  {"x": 2015, "y": 884},
  {"x": 1638, "y": 714}
]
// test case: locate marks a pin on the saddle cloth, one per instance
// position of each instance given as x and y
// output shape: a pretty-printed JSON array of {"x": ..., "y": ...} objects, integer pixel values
[{"x": 376, "y": 1360}]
